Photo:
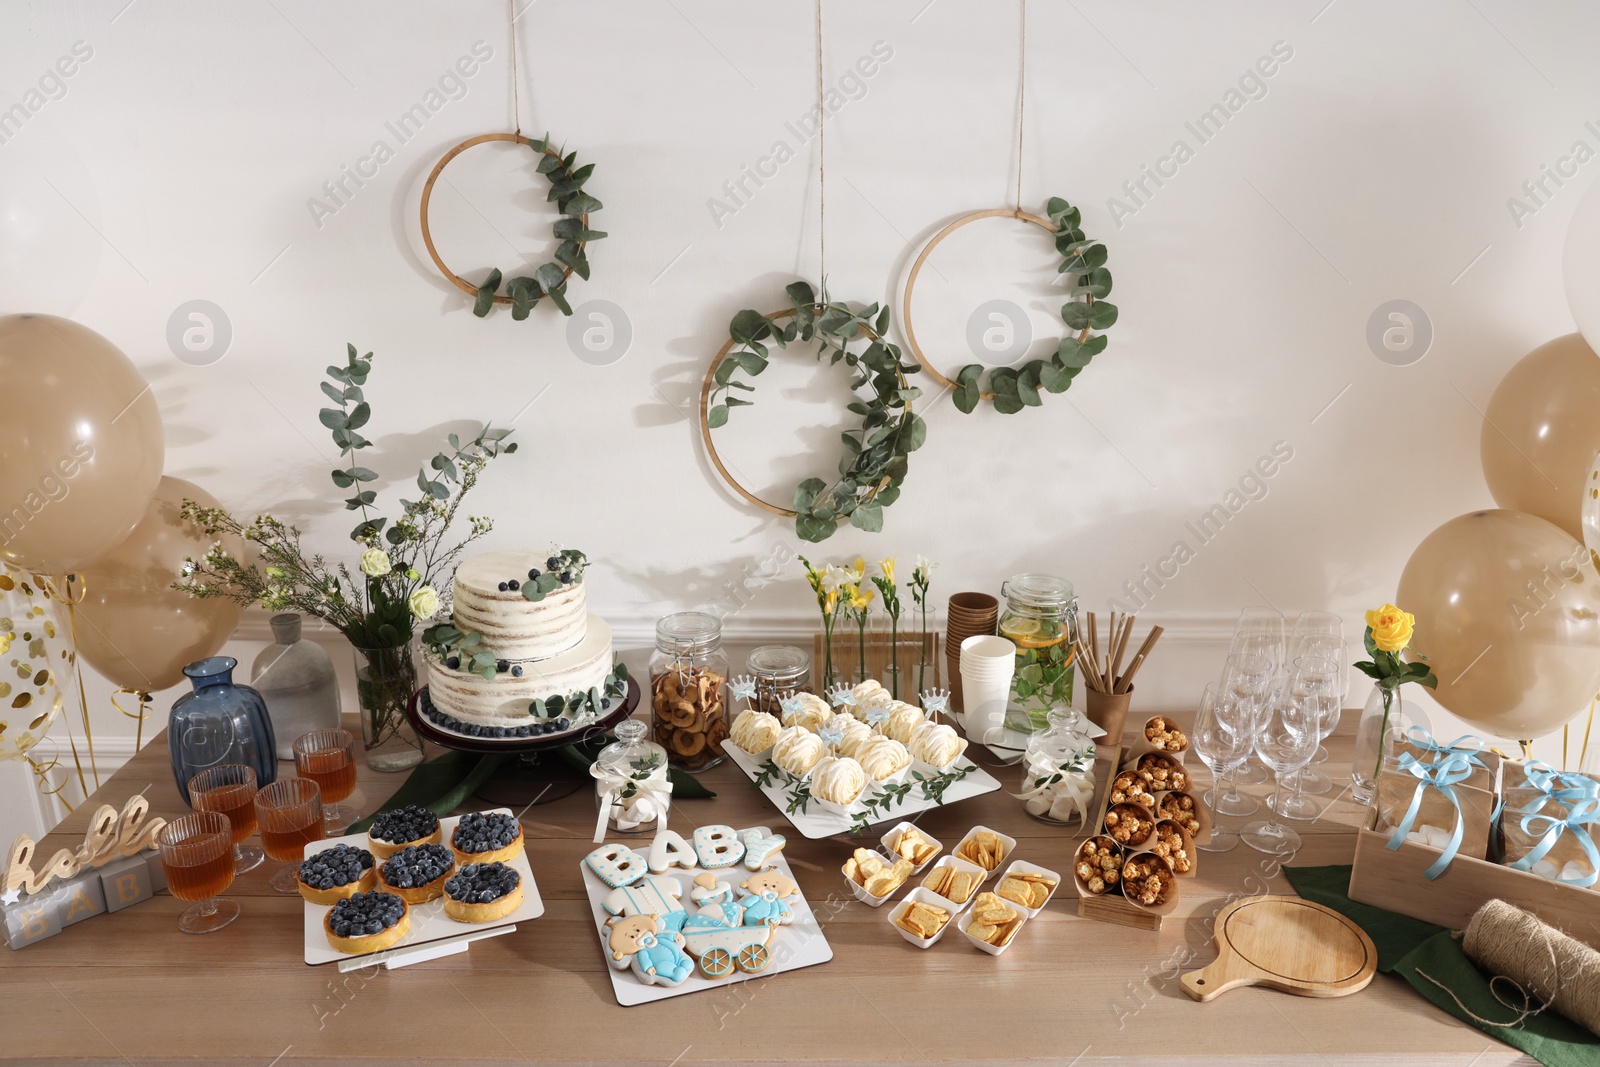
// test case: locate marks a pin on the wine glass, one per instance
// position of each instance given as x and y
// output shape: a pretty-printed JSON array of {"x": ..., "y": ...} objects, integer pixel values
[
  {"x": 1246, "y": 679},
  {"x": 1285, "y": 742},
  {"x": 289, "y": 815},
  {"x": 230, "y": 789},
  {"x": 327, "y": 757},
  {"x": 1259, "y": 632},
  {"x": 1222, "y": 750},
  {"x": 1320, "y": 635},
  {"x": 1312, "y": 684},
  {"x": 197, "y": 856}
]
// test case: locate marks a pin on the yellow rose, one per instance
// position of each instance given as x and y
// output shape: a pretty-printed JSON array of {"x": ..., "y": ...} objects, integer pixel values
[{"x": 1391, "y": 627}]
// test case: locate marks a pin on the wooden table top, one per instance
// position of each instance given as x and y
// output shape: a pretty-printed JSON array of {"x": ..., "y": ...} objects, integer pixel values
[{"x": 128, "y": 988}]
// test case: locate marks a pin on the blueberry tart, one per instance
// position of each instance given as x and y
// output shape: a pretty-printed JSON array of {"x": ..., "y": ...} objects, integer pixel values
[
  {"x": 486, "y": 838},
  {"x": 367, "y": 922},
  {"x": 482, "y": 892},
  {"x": 329, "y": 876},
  {"x": 397, "y": 829},
  {"x": 417, "y": 874}
]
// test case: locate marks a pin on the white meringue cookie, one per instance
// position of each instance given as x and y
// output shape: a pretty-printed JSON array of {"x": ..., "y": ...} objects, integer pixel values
[
  {"x": 838, "y": 780},
  {"x": 797, "y": 750},
  {"x": 755, "y": 731}
]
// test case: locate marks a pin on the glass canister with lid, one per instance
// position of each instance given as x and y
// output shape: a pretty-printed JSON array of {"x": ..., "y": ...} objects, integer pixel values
[
  {"x": 1041, "y": 618},
  {"x": 780, "y": 671},
  {"x": 688, "y": 696},
  {"x": 630, "y": 782}
]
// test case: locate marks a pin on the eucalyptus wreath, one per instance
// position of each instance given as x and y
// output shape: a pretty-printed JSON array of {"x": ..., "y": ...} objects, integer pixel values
[
  {"x": 877, "y": 452},
  {"x": 572, "y": 230},
  {"x": 1085, "y": 311}
]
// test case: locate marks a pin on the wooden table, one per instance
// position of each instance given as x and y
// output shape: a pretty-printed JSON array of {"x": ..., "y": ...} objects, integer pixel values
[{"x": 128, "y": 988}]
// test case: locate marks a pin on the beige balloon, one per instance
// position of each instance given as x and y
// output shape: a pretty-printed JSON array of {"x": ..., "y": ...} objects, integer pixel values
[
  {"x": 81, "y": 445},
  {"x": 1508, "y": 614},
  {"x": 132, "y": 626},
  {"x": 1541, "y": 431}
]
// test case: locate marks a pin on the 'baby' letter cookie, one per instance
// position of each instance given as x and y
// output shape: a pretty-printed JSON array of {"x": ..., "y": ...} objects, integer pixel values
[
  {"x": 617, "y": 864},
  {"x": 669, "y": 849},
  {"x": 718, "y": 846},
  {"x": 758, "y": 849}
]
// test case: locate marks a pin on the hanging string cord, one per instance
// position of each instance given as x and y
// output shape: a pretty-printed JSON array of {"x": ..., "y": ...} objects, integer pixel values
[
  {"x": 1022, "y": 94},
  {"x": 516, "y": 102},
  {"x": 822, "y": 164}
]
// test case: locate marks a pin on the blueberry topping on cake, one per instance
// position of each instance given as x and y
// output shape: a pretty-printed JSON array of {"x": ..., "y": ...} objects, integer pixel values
[
  {"x": 482, "y": 883},
  {"x": 552, "y": 563},
  {"x": 454, "y": 663},
  {"x": 504, "y": 587},
  {"x": 484, "y": 833},
  {"x": 516, "y": 672},
  {"x": 336, "y": 866},
  {"x": 502, "y": 665},
  {"x": 514, "y": 585},
  {"x": 409, "y": 823},
  {"x": 417, "y": 866},
  {"x": 533, "y": 574},
  {"x": 365, "y": 914}
]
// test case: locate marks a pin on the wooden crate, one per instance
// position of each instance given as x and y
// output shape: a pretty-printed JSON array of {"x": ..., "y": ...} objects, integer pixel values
[
  {"x": 1112, "y": 907},
  {"x": 847, "y": 659},
  {"x": 1395, "y": 881}
]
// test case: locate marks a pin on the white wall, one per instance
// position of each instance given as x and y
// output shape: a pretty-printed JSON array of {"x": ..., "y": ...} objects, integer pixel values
[{"x": 179, "y": 163}]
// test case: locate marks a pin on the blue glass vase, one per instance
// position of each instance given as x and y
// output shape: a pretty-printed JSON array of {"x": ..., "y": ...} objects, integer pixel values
[{"x": 217, "y": 723}]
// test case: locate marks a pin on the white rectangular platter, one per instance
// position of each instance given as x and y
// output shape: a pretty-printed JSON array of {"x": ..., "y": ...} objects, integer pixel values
[
  {"x": 799, "y": 944},
  {"x": 816, "y": 822},
  {"x": 429, "y": 923}
]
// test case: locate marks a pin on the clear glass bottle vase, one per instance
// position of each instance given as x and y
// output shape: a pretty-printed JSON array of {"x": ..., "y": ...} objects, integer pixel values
[{"x": 1382, "y": 724}]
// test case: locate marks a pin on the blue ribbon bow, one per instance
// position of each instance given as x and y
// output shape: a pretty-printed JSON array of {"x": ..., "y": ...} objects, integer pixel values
[
  {"x": 1581, "y": 797},
  {"x": 1449, "y": 769},
  {"x": 1467, "y": 745}
]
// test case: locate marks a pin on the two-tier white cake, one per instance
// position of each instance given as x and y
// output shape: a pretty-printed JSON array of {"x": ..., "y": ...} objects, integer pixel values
[{"x": 544, "y": 648}]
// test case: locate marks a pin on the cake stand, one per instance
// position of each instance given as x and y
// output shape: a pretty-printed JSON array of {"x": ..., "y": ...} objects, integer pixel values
[{"x": 537, "y": 773}]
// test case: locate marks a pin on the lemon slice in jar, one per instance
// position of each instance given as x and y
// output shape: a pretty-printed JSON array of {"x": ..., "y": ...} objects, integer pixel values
[{"x": 1029, "y": 633}]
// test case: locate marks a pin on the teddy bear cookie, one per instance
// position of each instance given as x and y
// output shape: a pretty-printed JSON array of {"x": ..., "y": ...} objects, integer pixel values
[
  {"x": 417, "y": 874},
  {"x": 764, "y": 900},
  {"x": 367, "y": 922},
  {"x": 483, "y": 892},
  {"x": 492, "y": 837},
  {"x": 395, "y": 830},
  {"x": 655, "y": 956},
  {"x": 329, "y": 876}
]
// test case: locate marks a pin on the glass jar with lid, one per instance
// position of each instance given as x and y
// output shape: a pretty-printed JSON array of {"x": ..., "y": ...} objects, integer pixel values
[
  {"x": 688, "y": 689},
  {"x": 630, "y": 781},
  {"x": 1058, "y": 767},
  {"x": 780, "y": 671},
  {"x": 1041, "y": 618}
]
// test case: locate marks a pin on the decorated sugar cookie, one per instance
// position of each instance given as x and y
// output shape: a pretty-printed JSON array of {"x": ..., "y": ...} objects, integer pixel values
[
  {"x": 655, "y": 956},
  {"x": 763, "y": 902},
  {"x": 758, "y": 849},
  {"x": 652, "y": 895},
  {"x": 715, "y": 900},
  {"x": 718, "y": 846},
  {"x": 668, "y": 850},
  {"x": 617, "y": 864}
]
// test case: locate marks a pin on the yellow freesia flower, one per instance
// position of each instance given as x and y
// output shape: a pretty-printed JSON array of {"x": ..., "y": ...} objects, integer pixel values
[
  {"x": 830, "y": 601},
  {"x": 1391, "y": 628},
  {"x": 887, "y": 566},
  {"x": 860, "y": 567}
]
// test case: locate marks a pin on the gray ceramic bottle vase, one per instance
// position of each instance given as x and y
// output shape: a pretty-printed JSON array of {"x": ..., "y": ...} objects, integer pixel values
[{"x": 296, "y": 679}]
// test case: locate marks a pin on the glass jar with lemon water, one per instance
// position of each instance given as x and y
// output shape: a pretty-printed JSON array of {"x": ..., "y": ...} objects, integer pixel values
[{"x": 1041, "y": 619}]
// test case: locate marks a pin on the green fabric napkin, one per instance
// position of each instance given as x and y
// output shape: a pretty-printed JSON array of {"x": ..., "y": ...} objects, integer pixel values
[
  {"x": 441, "y": 785},
  {"x": 1409, "y": 948}
]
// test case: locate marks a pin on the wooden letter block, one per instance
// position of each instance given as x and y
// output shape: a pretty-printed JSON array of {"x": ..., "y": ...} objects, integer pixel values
[
  {"x": 127, "y": 882},
  {"x": 30, "y": 920}
]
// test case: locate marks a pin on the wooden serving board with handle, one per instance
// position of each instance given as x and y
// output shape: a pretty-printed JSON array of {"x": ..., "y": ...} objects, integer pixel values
[{"x": 1287, "y": 944}]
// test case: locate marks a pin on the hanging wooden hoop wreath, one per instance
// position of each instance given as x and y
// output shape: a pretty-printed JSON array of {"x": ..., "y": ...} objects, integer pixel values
[
  {"x": 572, "y": 230},
  {"x": 1012, "y": 388},
  {"x": 876, "y": 459}
]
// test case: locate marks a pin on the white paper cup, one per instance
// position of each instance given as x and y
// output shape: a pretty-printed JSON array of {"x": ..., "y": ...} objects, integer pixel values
[
  {"x": 985, "y": 701},
  {"x": 988, "y": 646}
]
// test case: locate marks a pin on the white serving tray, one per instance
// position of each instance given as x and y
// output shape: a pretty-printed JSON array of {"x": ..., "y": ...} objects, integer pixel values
[
  {"x": 817, "y": 823},
  {"x": 799, "y": 944},
  {"x": 430, "y": 926}
]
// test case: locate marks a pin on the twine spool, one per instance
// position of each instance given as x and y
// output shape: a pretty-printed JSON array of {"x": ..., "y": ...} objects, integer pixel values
[{"x": 1546, "y": 963}]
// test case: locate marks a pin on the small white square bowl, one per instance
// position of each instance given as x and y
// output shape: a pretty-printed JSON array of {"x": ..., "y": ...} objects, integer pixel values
[
  {"x": 891, "y": 838},
  {"x": 965, "y": 920},
  {"x": 861, "y": 891},
  {"x": 926, "y": 897},
  {"x": 961, "y": 865},
  {"x": 1024, "y": 867},
  {"x": 1009, "y": 842}
]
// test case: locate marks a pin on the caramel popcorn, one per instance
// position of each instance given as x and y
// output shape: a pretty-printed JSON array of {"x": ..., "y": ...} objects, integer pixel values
[
  {"x": 1130, "y": 787},
  {"x": 1161, "y": 773},
  {"x": 1170, "y": 845},
  {"x": 1164, "y": 735},
  {"x": 1147, "y": 880},
  {"x": 1180, "y": 808},
  {"x": 1098, "y": 865},
  {"x": 1129, "y": 824}
]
